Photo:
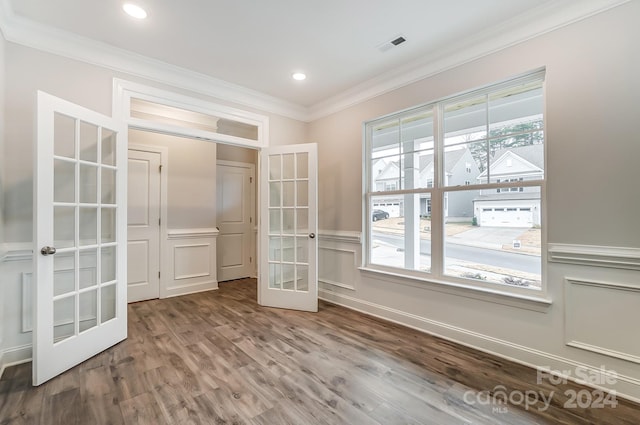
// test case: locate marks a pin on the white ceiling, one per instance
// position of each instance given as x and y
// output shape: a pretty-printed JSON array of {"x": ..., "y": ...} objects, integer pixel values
[{"x": 259, "y": 44}]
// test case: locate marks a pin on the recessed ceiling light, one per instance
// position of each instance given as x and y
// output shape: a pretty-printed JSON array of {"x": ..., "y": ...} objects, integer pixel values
[
  {"x": 134, "y": 10},
  {"x": 299, "y": 76}
]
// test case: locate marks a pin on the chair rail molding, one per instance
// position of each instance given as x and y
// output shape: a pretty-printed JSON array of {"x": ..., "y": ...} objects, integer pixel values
[
  {"x": 344, "y": 236},
  {"x": 596, "y": 256}
]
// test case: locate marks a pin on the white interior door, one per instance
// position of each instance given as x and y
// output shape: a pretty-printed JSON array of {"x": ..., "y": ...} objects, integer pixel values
[
  {"x": 235, "y": 220},
  {"x": 80, "y": 214},
  {"x": 143, "y": 225},
  {"x": 288, "y": 227}
]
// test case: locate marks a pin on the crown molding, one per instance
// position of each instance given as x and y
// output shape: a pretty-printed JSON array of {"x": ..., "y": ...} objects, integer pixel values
[
  {"x": 538, "y": 21},
  {"x": 543, "y": 19}
]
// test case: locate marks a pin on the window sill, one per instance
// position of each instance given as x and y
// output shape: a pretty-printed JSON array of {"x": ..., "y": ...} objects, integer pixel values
[{"x": 535, "y": 303}]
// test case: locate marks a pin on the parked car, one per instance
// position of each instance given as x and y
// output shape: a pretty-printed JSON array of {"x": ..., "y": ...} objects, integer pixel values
[{"x": 379, "y": 215}]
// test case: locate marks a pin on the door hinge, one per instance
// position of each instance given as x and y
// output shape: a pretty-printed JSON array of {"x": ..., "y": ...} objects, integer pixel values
[
  {"x": 250, "y": 259},
  {"x": 250, "y": 179},
  {"x": 250, "y": 219},
  {"x": 159, "y": 221},
  {"x": 158, "y": 275},
  {"x": 160, "y": 168}
]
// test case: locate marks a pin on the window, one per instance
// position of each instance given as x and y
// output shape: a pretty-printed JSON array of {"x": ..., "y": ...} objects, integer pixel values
[{"x": 461, "y": 196}]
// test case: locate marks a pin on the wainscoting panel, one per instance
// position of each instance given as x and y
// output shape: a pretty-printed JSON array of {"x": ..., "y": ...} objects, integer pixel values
[
  {"x": 338, "y": 259},
  {"x": 191, "y": 266},
  {"x": 337, "y": 267},
  {"x": 193, "y": 260},
  {"x": 591, "y": 324}
]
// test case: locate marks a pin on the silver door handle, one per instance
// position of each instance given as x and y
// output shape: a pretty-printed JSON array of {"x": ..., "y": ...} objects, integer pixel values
[
  {"x": 48, "y": 250},
  {"x": 312, "y": 235}
]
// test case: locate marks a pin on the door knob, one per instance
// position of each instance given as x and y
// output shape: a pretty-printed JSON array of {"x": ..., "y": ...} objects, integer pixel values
[
  {"x": 312, "y": 235},
  {"x": 48, "y": 250}
]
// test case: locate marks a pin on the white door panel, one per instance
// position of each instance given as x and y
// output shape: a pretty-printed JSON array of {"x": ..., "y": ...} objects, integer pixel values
[
  {"x": 80, "y": 250},
  {"x": 143, "y": 225},
  {"x": 288, "y": 242},
  {"x": 234, "y": 204}
]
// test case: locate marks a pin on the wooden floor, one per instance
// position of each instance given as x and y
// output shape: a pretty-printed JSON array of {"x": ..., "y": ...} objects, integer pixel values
[{"x": 219, "y": 358}]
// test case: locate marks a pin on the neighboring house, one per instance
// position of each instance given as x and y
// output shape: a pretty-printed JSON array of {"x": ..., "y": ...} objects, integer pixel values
[
  {"x": 460, "y": 170},
  {"x": 516, "y": 206}
]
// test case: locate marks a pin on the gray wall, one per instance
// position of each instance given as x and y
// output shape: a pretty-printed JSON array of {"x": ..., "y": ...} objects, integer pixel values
[{"x": 191, "y": 178}]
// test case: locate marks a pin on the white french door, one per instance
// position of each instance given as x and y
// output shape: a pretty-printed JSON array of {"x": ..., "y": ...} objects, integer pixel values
[
  {"x": 80, "y": 236},
  {"x": 289, "y": 219}
]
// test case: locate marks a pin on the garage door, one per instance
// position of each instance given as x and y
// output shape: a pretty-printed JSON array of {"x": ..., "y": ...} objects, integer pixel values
[{"x": 506, "y": 217}]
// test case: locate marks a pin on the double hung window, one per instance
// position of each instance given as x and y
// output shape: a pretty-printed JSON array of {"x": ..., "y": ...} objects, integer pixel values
[{"x": 466, "y": 177}]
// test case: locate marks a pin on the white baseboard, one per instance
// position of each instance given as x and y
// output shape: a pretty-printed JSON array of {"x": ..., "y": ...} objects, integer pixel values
[
  {"x": 626, "y": 387},
  {"x": 14, "y": 356}
]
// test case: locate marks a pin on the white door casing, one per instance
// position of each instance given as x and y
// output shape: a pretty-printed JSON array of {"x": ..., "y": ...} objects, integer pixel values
[
  {"x": 288, "y": 227},
  {"x": 143, "y": 225},
  {"x": 79, "y": 243},
  {"x": 234, "y": 193}
]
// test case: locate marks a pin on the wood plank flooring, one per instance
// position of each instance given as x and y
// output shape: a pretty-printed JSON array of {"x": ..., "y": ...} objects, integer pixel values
[{"x": 219, "y": 358}]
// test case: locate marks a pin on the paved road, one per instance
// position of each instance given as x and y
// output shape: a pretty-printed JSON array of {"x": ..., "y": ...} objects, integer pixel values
[{"x": 525, "y": 263}]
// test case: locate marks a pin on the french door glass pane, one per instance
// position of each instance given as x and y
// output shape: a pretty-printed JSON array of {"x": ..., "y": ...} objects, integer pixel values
[
  {"x": 274, "y": 221},
  {"x": 64, "y": 227},
  {"x": 302, "y": 220},
  {"x": 302, "y": 249},
  {"x": 108, "y": 147},
  {"x": 88, "y": 184},
  {"x": 63, "y": 273},
  {"x": 288, "y": 194},
  {"x": 275, "y": 250},
  {"x": 64, "y": 318},
  {"x": 275, "y": 277},
  {"x": 88, "y": 142},
  {"x": 88, "y": 268},
  {"x": 64, "y": 136},
  {"x": 288, "y": 249},
  {"x": 274, "y": 194},
  {"x": 274, "y": 167},
  {"x": 108, "y": 224},
  {"x": 302, "y": 163},
  {"x": 108, "y": 188},
  {"x": 88, "y": 310},
  {"x": 288, "y": 277},
  {"x": 288, "y": 166},
  {"x": 302, "y": 277},
  {"x": 302, "y": 199},
  {"x": 108, "y": 264},
  {"x": 64, "y": 179},
  {"x": 108, "y": 303},
  {"x": 88, "y": 226},
  {"x": 288, "y": 223}
]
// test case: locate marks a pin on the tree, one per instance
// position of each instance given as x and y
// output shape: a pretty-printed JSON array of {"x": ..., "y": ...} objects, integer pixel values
[{"x": 515, "y": 135}]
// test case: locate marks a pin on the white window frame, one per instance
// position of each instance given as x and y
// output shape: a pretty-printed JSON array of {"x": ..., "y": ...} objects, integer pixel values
[{"x": 438, "y": 200}]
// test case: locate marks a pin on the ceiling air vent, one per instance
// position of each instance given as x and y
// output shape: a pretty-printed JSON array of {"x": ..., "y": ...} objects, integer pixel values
[{"x": 387, "y": 45}]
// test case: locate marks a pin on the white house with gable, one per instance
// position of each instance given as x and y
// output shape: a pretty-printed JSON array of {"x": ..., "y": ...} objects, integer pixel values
[{"x": 515, "y": 206}]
